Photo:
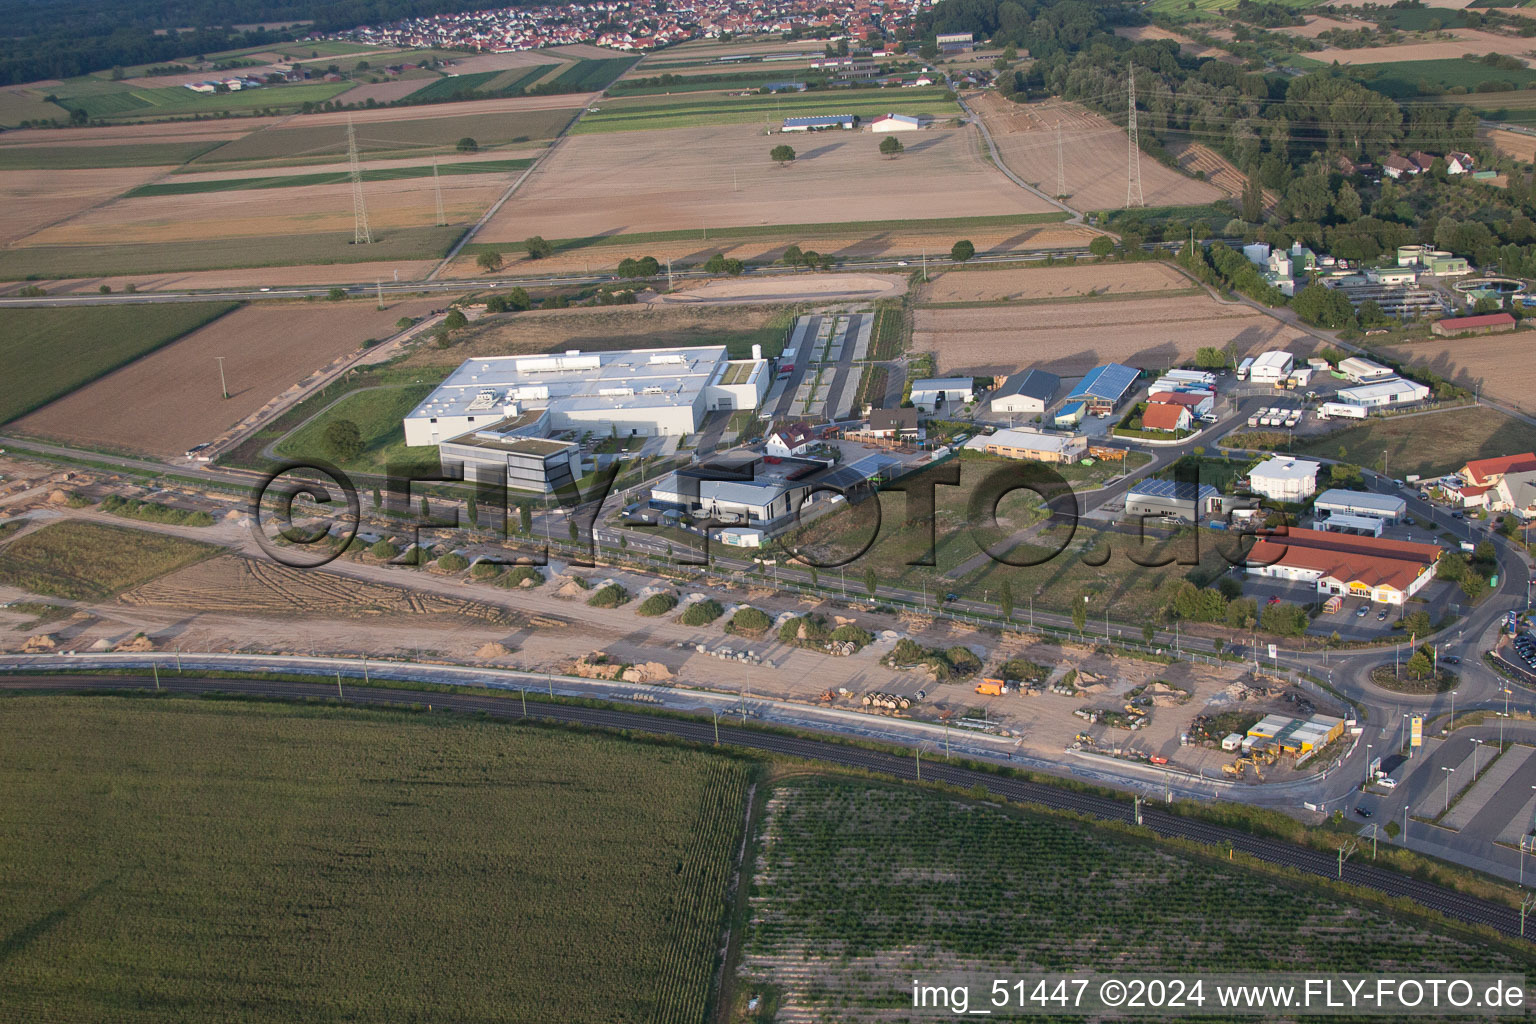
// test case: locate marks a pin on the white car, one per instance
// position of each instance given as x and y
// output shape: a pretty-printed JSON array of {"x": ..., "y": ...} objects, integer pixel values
[{"x": 1387, "y": 782}]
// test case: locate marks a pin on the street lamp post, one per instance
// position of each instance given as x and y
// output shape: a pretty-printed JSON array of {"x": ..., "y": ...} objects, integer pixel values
[
  {"x": 1448, "y": 773},
  {"x": 1477, "y": 745},
  {"x": 1367, "y": 764}
]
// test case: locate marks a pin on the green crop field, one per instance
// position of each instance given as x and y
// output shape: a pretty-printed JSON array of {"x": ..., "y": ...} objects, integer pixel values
[
  {"x": 692, "y": 110},
  {"x": 417, "y": 136},
  {"x": 1189, "y": 8},
  {"x": 188, "y": 861},
  {"x": 18, "y": 104},
  {"x": 860, "y": 887},
  {"x": 377, "y": 413},
  {"x": 1406, "y": 78},
  {"x": 450, "y": 86},
  {"x": 726, "y": 80},
  {"x": 51, "y": 352},
  {"x": 115, "y": 99},
  {"x": 20, "y": 158},
  {"x": 89, "y": 561},
  {"x": 1429, "y": 445},
  {"x": 593, "y": 75},
  {"x": 48, "y": 261},
  {"x": 177, "y": 188}
]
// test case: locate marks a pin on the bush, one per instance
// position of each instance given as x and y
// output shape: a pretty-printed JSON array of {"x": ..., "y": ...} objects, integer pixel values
[
  {"x": 657, "y": 604},
  {"x": 749, "y": 622},
  {"x": 1022, "y": 670},
  {"x": 853, "y": 634},
  {"x": 518, "y": 573},
  {"x": 609, "y": 595},
  {"x": 453, "y": 563},
  {"x": 486, "y": 570},
  {"x": 538, "y": 248},
  {"x": 702, "y": 613},
  {"x": 384, "y": 549},
  {"x": 962, "y": 251},
  {"x": 336, "y": 294}
]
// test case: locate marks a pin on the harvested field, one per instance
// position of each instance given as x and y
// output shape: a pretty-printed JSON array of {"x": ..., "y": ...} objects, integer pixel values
[
  {"x": 1317, "y": 24},
  {"x": 767, "y": 245},
  {"x": 1502, "y": 367},
  {"x": 718, "y": 177},
  {"x": 35, "y": 199},
  {"x": 1094, "y": 154},
  {"x": 1071, "y": 338},
  {"x": 392, "y": 205},
  {"x": 1187, "y": 46},
  {"x": 600, "y": 328},
  {"x": 1468, "y": 40},
  {"x": 258, "y": 586},
  {"x": 1219, "y": 171},
  {"x": 387, "y": 92},
  {"x": 20, "y": 103},
  {"x": 793, "y": 288},
  {"x": 266, "y": 348},
  {"x": 1515, "y": 144},
  {"x": 986, "y": 285}
]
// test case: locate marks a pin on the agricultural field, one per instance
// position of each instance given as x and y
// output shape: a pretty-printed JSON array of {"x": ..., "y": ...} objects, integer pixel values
[
  {"x": 51, "y": 352},
  {"x": 99, "y": 99},
  {"x": 1194, "y": 8},
  {"x": 393, "y": 205},
  {"x": 406, "y": 131},
  {"x": 1188, "y": 47},
  {"x": 1430, "y": 444},
  {"x": 1071, "y": 337},
  {"x": 85, "y": 561},
  {"x": 603, "y": 328},
  {"x": 266, "y": 347},
  {"x": 1518, "y": 107},
  {"x": 687, "y": 178},
  {"x": 20, "y": 103},
  {"x": 1407, "y": 78},
  {"x": 1093, "y": 151},
  {"x": 230, "y": 584},
  {"x": 1499, "y": 367},
  {"x": 1441, "y": 52},
  {"x": 412, "y": 842},
  {"x": 157, "y": 155},
  {"x": 35, "y": 199},
  {"x": 135, "y": 260},
  {"x": 593, "y": 75},
  {"x": 1037, "y": 283},
  {"x": 196, "y": 184},
  {"x": 691, "y": 110},
  {"x": 854, "y": 895}
]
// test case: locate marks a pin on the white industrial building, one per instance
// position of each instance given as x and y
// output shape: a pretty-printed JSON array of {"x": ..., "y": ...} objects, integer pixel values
[
  {"x": 744, "y": 501},
  {"x": 1337, "y": 501},
  {"x": 636, "y": 392},
  {"x": 1285, "y": 479},
  {"x": 514, "y": 450},
  {"x": 931, "y": 392},
  {"x": 1271, "y": 367},
  {"x": 895, "y": 123},
  {"x": 1363, "y": 371},
  {"x": 1392, "y": 391},
  {"x": 1028, "y": 392}
]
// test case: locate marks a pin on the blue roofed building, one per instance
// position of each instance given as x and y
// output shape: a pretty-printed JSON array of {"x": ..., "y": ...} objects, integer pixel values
[{"x": 1105, "y": 387}]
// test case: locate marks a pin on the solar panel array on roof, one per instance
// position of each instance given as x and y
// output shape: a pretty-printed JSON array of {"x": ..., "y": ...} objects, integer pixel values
[
  {"x": 1178, "y": 490},
  {"x": 850, "y": 476},
  {"x": 1109, "y": 382}
]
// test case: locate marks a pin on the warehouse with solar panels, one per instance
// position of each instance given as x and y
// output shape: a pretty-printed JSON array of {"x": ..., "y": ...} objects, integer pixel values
[
  {"x": 1172, "y": 499},
  {"x": 1105, "y": 387}
]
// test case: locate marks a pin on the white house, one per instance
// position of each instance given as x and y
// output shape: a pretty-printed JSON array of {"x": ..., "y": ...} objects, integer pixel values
[
  {"x": 1285, "y": 479},
  {"x": 789, "y": 440},
  {"x": 895, "y": 123}
]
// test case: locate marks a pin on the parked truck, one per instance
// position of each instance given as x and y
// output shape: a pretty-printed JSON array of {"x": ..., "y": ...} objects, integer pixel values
[{"x": 992, "y": 687}]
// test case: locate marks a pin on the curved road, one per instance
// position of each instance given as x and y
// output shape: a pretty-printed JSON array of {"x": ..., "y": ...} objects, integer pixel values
[{"x": 1452, "y": 904}]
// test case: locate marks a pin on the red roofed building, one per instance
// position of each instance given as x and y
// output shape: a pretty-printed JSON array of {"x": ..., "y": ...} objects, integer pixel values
[
  {"x": 1384, "y": 571},
  {"x": 1198, "y": 404},
  {"x": 1481, "y": 477},
  {"x": 790, "y": 439},
  {"x": 1166, "y": 417},
  {"x": 1487, "y": 323}
]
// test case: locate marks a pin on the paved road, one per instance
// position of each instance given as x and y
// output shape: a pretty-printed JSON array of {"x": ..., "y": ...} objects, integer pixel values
[{"x": 1355, "y": 872}]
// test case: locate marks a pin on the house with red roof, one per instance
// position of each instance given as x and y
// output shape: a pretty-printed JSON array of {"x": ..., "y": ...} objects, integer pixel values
[
  {"x": 789, "y": 440},
  {"x": 1480, "y": 479},
  {"x": 1384, "y": 571},
  {"x": 1166, "y": 417},
  {"x": 1486, "y": 323}
]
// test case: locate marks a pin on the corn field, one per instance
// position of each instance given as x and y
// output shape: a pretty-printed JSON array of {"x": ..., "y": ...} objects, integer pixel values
[
  {"x": 180, "y": 860},
  {"x": 860, "y": 887}
]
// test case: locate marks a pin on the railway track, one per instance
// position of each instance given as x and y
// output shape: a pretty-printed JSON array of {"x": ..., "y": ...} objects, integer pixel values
[{"x": 1458, "y": 906}]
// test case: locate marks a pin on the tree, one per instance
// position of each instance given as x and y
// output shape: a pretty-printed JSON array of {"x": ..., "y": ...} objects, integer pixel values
[
  {"x": 1149, "y": 633},
  {"x": 442, "y": 337},
  {"x": 645, "y": 266},
  {"x": 871, "y": 583},
  {"x": 344, "y": 440},
  {"x": 1079, "y": 615},
  {"x": 525, "y": 518},
  {"x": 383, "y": 549},
  {"x": 571, "y": 529},
  {"x": 488, "y": 261},
  {"x": 537, "y": 248},
  {"x": 426, "y": 509},
  {"x": 1005, "y": 599},
  {"x": 962, "y": 251},
  {"x": 1101, "y": 246},
  {"x": 467, "y": 145},
  {"x": 1420, "y": 666},
  {"x": 891, "y": 146},
  {"x": 782, "y": 154},
  {"x": 793, "y": 256},
  {"x": 1253, "y": 200},
  {"x": 455, "y": 320},
  {"x": 336, "y": 294},
  {"x": 404, "y": 322},
  {"x": 473, "y": 511}
]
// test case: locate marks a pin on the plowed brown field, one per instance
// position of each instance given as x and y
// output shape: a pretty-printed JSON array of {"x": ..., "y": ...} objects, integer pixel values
[
  {"x": 1051, "y": 282},
  {"x": 1502, "y": 367},
  {"x": 169, "y": 400},
  {"x": 1073, "y": 337}
]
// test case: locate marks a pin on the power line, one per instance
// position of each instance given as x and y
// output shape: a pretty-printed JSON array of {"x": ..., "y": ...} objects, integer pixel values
[{"x": 360, "y": 233}]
